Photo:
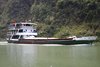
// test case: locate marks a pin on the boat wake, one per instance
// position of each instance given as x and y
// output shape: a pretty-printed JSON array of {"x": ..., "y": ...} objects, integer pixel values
[
  {"x": 83, "y": 45},
  {"x": 3, "y": 43},
  {"x": 51, "y": 45}
]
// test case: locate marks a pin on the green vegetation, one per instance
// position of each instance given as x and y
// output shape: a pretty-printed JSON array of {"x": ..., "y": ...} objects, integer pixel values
[{"x": 55, "y": 18}]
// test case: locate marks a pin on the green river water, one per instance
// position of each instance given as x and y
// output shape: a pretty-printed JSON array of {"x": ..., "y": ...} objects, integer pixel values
[{"x": 31, "y": 55}]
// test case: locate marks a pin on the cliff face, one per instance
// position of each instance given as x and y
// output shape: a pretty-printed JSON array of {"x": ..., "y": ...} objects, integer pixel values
[{"x": 54, "y": 17}]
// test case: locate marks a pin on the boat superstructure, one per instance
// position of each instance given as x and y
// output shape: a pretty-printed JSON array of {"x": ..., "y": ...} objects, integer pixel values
[{"x": 20, "y": 30}]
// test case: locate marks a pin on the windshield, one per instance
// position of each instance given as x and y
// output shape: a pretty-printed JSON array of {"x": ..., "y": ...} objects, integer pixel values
[{"x": 15, "y": 37}]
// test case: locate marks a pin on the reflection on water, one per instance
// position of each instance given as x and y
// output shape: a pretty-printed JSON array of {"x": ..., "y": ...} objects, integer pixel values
[
  {"x": 18, "y": 55},
  {"x": 21, "y": 55}
]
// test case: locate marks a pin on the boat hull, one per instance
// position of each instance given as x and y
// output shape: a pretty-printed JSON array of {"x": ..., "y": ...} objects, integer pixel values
[{"x": 52, "y": 41}]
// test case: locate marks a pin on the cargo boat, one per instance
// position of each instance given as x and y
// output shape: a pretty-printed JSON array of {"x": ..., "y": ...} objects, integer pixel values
[{"x": 26, "y": 33}]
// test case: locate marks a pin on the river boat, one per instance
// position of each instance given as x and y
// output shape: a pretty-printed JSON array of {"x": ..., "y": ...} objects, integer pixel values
[{"x": 26, "y": 33}]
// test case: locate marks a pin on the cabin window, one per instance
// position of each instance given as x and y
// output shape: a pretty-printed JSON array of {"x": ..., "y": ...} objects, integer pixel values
[
  {"x": 18, "y": 25},
  {"x": 35, "y": 30},
  {"x": 21, "y": 36},
  {"x": 20, "y": 30},
  {"x": 15, "y": 37},
  {"x": 28, "y": 25}
]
